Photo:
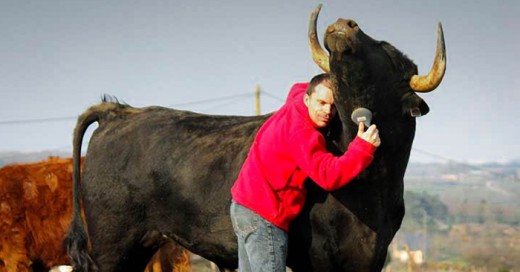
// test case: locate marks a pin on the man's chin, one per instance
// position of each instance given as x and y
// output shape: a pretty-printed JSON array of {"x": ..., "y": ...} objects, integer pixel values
[{"x": 322, "y": 124}]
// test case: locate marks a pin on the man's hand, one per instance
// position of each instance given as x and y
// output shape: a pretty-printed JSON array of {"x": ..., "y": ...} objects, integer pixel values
[{"x": 371, "y": 135}]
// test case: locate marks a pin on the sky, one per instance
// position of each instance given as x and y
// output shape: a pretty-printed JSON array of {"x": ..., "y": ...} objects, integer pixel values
[{"x": 57, "y": 58}]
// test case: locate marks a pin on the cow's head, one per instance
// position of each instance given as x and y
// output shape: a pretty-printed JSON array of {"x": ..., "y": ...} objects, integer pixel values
[{"x": 375, "y": 75}]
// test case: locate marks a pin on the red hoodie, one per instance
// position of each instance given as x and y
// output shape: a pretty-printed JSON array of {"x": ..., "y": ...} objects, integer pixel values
[{"x": 288, "y": 149}]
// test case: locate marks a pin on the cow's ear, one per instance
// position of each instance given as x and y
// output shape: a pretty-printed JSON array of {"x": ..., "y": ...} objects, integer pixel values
[{"x": 413, "y": 105}]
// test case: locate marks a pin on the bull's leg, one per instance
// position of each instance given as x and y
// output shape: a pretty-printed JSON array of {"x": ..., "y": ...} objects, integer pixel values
[
  {"x": 221, "y": 269},
  {"x": 123, "y": 254},
  {"x": 119, "y": 240}
]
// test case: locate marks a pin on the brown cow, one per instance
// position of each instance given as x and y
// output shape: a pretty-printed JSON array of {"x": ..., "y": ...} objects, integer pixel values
[{"x": 35, "y": 211}]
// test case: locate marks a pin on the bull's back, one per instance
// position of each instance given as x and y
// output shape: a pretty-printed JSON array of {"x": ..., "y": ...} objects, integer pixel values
[
  {"x": 167, "y": 170},
  {"x": 182, "y": 144}
]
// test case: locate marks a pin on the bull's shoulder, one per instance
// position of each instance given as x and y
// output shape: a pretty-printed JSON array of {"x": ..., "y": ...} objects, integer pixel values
[
  {"x": 194, "y": 120},
  {"x": 198, "y": 120}
]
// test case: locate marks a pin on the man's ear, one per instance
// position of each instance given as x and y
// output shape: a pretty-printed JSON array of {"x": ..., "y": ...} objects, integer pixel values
[{"x": 306, "y": 99}]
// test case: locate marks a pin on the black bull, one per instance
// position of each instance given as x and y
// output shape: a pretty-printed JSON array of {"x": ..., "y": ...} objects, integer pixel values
[{"x": 156, "y": 173}]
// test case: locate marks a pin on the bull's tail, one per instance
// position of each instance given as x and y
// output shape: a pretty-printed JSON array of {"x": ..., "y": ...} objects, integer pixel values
[{"x": 77, "y": 237}]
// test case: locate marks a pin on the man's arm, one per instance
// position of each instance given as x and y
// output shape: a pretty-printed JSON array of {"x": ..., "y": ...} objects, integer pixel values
[{"x": 328, "y": 171}]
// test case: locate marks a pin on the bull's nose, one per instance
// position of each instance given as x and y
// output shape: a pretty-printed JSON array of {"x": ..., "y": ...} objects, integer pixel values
[
  {"x": 342, "y": 36},
  {"x": 343, "y": 26},
  {"x": 346, "y": 24},
  {"x": 351, "y": 23}
]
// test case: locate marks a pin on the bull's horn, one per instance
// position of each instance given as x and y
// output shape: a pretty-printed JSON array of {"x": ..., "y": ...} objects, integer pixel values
[
  {"x": 318, "y": 54},
  {"x": 433, "y": 79}
]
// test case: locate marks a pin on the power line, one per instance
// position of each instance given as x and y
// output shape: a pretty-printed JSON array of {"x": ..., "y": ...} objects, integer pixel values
[
  {"x": 233, "y": 99},
  {"x": 469, "y": 166},
  {"x": 210, "y": 100},
  {"x": 435, "y": 156},
  {"x": 224, "y": 103},
  {"x": 42, "y": 120},
  {"x": 67, "y": 118},
  {"x": 273, "y": 96}
]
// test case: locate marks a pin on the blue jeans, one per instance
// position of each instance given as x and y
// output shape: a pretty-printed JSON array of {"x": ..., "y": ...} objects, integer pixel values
[{"x": 261, "y": 245}]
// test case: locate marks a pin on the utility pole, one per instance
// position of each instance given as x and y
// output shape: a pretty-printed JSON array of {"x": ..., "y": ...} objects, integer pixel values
[{"x": 257, "y": 100}]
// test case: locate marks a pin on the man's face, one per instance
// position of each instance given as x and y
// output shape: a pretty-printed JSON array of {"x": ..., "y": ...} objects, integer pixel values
[{"x": 321, "y": 105}]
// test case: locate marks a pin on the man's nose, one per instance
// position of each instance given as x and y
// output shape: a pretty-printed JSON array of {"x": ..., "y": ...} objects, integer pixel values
[{"x": 327, "y": 109}]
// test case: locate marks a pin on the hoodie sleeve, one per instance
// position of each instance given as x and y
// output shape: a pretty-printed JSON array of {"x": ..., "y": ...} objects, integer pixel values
[{"x": 325, "y": 169}]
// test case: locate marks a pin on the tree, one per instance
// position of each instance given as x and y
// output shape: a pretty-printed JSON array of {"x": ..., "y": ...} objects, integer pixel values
[{"x": 424, "y": 208}]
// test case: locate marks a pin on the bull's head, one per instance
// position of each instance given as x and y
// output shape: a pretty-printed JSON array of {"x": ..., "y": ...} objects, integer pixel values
[{"x": 375, "y": 75}]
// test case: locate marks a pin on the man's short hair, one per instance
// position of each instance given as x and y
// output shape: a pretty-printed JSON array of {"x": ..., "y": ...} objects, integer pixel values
[{"x": 317, "y": 80}]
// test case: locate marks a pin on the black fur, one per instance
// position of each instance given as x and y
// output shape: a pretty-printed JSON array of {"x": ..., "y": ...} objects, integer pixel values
[{"x": 162, "y": 171}]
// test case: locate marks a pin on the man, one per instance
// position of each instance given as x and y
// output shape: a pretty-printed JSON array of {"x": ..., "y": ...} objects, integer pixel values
[{"x": 269, "y": 191}]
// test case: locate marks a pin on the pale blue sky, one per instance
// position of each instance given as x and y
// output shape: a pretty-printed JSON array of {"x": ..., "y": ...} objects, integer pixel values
[{"x": 58, "y": 57}]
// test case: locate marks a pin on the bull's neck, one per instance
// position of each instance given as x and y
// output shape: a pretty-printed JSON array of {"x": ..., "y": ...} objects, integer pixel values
[
  {"x": 347, "y": 131},
  {"x": 346, "y": 102},
  {"x": 353, "y": 88}
]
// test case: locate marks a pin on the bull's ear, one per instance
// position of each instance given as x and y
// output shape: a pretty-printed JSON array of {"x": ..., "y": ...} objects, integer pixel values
[{"x": 413, "y": 105}]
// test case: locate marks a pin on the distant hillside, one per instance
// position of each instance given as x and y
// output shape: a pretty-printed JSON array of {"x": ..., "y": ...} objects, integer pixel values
[
  {"x": 510, "y": 169},
  {"x": 471, "y": 189},
  {"x": 462, "y": 214},
  {"x": 23, "y": 157}
]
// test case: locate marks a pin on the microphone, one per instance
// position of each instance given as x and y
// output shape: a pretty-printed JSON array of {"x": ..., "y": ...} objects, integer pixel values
[{"x": 362, "y": 115}]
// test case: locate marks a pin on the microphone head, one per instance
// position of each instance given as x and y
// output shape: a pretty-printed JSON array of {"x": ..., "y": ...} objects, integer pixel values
[{"x": 362, "y": 115}]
